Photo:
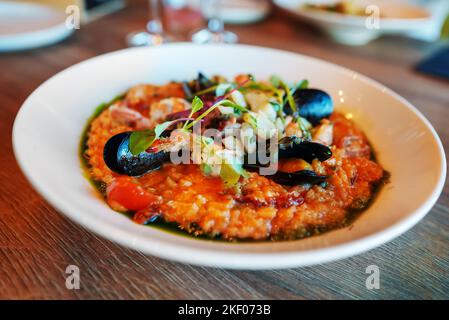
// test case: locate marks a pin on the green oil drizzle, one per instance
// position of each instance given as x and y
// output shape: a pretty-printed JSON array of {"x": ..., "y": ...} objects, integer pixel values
[{"x": 98, "y": 185}]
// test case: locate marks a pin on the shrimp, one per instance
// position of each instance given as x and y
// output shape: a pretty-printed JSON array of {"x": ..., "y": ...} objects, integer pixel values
[
  {"x": 324, "y": 133},
  {"x": 124, "y": 115},
  {"x": 161, "y": 109},
  {"x": 292, "y": 129},
  {"x": 142, "y": 96}
]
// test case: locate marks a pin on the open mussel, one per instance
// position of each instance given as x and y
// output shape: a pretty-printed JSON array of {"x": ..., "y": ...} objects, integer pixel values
[
  {"x": 203, "y": 82},
  {"x": 119, "y": 158},
  {"x": 197, "y": 85},
  {"x": 188, "y": 92},
  {"x": 312, "y": 104},
  {"x": 301, "y": 177},
  {"x": 293, "y": 147}
]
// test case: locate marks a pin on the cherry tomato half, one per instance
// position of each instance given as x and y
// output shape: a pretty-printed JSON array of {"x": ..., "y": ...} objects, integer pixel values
[{"x": 128, "y": 194}]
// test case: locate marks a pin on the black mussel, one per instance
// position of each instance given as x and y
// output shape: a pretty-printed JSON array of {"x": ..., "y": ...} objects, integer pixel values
[
  {"x": 187, "y": 91},
  {"x": 312, "y": 104},
  {"x": 201, "y": 82},
  {"x": 204, "y": 81},
  {"x": 293, "y": 147},
  {"x": 301, "y": 177},
  {"x": 119, "y": 158}
]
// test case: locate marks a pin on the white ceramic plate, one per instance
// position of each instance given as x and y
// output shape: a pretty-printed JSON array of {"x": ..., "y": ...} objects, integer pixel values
[
  {"x": 28, "y": 25},
  {"x": 48, "y": 127},
  {"x": 397, "y": 18}
]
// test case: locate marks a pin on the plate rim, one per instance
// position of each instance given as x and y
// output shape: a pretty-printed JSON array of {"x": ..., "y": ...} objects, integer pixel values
[{"x": 241, "y": 260}]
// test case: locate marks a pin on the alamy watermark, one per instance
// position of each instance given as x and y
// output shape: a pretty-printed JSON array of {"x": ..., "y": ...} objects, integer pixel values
[
  {"x": 372, "y": 22},
  {"x": 72, "y": 281},
  {"x": 373, "y": 280},
  {"x": 73, "y": 19}
]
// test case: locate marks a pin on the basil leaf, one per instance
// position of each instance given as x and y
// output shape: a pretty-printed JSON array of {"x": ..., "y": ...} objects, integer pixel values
[{"x": 139, "y": 141}]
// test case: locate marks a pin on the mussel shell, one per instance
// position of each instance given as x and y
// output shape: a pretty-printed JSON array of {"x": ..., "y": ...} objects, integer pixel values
[
  {"x": 119, "y": 158},
  {"x": 204, "y": 82},
  {"x": 312, "y": 104},
  {"x": 301, "y": 177},
  {"x": 201, "y": 82},
  {"x": 292, "y": 147},
  {"x": 187, "y": 91}
]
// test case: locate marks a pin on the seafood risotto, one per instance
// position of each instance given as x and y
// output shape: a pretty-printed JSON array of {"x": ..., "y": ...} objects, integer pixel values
[{"x": 237, "y": 159}]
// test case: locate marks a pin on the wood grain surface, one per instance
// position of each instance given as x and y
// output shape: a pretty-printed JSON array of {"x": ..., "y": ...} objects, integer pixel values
[{"x": 37, "y": 243}]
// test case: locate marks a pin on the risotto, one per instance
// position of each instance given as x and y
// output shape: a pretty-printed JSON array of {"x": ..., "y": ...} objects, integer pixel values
[{"x": 279, "y": 164}]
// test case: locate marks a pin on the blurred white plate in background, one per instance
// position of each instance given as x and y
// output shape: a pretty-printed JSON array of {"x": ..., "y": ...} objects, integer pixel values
[
  {"x": 244, "y": 11},
  {"x": 396, "y": 17},
  {"x": 28, "y": 25}
]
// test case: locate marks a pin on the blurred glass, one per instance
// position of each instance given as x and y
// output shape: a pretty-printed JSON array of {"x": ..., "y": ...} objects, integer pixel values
[
  {"x": 154, "y": 34},
  {"x": 201, "y": 21},
  {"x": 182, "y": 17},
  {"x": 215, "y": 31}
]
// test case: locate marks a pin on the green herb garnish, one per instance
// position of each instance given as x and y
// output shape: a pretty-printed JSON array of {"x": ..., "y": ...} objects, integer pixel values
[
  {"x": 278, "y": 108},
  {"x": 230, "y": 173},
  {"x": 257, "y": 86},
  {"x": 302, "y": 85},
  {"x": 251, "y": 120},
  {"x": 289, "y": 97},
  {"x": 197, "y": 105},
  {"x": 226, "y": 103},
  {"x": 139, "y": 141},
  {"x": 278, "y": 83},
  {"x": 207, "y": 90},
  {"x": 237, "y": 107}
]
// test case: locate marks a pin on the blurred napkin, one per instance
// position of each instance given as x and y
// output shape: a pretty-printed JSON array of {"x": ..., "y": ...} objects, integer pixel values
[{"x": 437, "y": 64}]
